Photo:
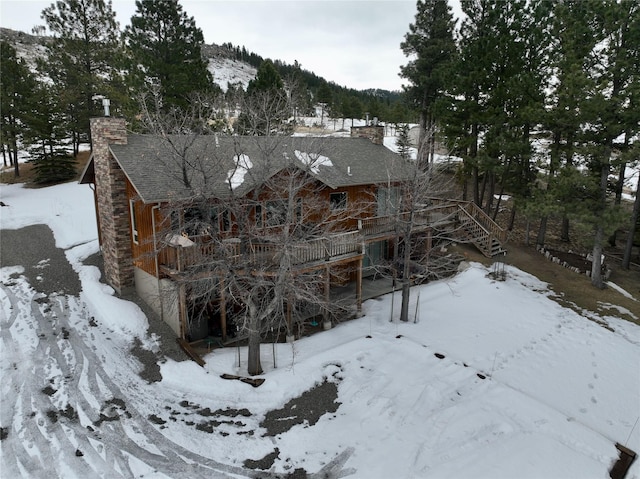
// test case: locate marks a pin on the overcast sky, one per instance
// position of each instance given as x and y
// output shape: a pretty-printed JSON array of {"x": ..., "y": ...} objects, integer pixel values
[{"x": 354, "y": 43}]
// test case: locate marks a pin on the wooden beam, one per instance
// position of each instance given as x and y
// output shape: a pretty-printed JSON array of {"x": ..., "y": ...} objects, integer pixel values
[
  {"x": 182, "y": 308},
  {"x": 190, "y": 352},
  {"x": 327, "y": 292}
]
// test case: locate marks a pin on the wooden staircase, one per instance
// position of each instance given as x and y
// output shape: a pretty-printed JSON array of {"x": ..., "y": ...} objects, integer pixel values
[
  {"x": 476, "y": 227},
  {"x": 481, "y": 230}
]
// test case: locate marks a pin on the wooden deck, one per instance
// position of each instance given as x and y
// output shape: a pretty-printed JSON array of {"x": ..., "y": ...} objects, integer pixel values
[{"x": 472, "y": 225}]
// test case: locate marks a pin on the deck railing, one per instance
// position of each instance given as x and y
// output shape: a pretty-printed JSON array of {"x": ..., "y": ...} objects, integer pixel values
[
  {"x": 201, "y": 250},
  {"x": 179, "y": 258},
  {"x": 428, "y": 216}
]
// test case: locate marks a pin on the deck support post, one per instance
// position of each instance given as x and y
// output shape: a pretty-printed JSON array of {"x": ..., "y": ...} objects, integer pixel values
[
  {"x": 223, "y": 311},
  {"x": 326, "y": 322},
  {"x": 182, "y": 307},
  {"x": 359, "y": 288}
]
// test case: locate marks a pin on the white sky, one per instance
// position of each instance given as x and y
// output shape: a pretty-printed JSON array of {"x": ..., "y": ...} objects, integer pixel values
[{"x": 352, "y": 43}]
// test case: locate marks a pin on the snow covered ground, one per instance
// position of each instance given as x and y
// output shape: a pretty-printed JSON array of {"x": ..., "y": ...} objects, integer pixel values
[
  {"x": 493, "y": 379},
  {"x": 227, "y": 70}
]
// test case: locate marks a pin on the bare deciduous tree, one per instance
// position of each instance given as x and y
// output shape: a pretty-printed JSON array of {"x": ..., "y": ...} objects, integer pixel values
[
  {"x": 256, "y": 227},
  {"x": 424, "y": 225}
]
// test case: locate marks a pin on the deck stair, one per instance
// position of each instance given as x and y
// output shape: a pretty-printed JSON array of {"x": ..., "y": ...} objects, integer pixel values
[
  {"x": 475, "y": 226},
  {"x": 481, "y": 230}
]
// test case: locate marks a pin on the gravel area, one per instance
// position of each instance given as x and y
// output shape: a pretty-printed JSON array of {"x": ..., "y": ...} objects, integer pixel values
[
  {"x": 48, "y": 271},
  {"x": 45, "y": 266},
  {"x": 157, "y": 327},
  {"x": 306, "y": 408}
]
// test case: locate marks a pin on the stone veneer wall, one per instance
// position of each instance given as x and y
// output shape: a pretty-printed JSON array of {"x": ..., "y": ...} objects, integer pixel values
[
  {"x": 375, "y": 133},
  {"x": 113, "y": 204}
]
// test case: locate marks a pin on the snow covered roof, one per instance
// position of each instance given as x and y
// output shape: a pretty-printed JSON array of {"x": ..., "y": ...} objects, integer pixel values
[{"x": 219, "y": 165}]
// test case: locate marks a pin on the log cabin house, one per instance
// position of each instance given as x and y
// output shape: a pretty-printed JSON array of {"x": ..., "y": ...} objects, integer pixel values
[{"x": 153, "y": 230}]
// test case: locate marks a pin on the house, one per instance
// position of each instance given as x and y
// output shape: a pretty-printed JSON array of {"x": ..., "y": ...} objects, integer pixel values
[{"x": 155, "y": 232}]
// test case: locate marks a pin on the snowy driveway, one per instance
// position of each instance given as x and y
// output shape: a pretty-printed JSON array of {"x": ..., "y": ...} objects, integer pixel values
[{"x": 63, "y": 413}]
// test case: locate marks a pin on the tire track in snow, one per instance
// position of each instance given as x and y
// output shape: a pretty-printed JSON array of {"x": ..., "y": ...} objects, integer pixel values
[{"x": 67, "y": 416}]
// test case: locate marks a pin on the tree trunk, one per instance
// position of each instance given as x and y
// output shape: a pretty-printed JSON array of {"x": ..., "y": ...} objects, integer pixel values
[
  {"x": 16, "y": 164},
  {"x": 474, "y": 154},
  {"x": 542, "y": 231},
  {"x": 254, "y": 367},
  {"x": 626, "y": 260},
  {"x": 596, "y": 264},
  {"x": 492, "y": 192},
  {"x": 484, "y": 187},
  {"x": 512, "y": 219},
  {"x": 406, "y": 291},
  {"x": 502, "y": 185},
  {"x": 406, "y": 273},
  {"x": 620, "y": 183},
  {"x": 564, "y": 234}
]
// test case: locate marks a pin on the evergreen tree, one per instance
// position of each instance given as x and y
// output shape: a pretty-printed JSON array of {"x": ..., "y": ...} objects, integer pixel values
[
  {"x": 267, "y": 79},
  {"x": 16, "y": 84},
  {"x": 608, "y": 111},
  {"x": 83, "y": 58},
  {"x": 431, "y": 48},
  {"x": 266, "y": 105},
  {"x": 165, "y": 46},
  {"x": 47, "y": 136},
  {"x": 574, "y": 33},
  {"x": 465, "y": 118},
  {"x": 403, "y": 142},
  {"x": 499, "y": 95},
  {"x": 324, "y": 97}
]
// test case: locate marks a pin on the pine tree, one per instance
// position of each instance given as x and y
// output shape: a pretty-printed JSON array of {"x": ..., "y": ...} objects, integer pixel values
[
  {"x": 16, "y": 83},
  {"x": 165, "y": 45},
  {"x": 608, "y": 111},
  {"x": 403, "y": 142},
  {"x": 324, "y": 97},
  {"x": 83, "y": 59},
  {"x": 574, "y": 36},
  {"x": 47, "y": 136},
  {"x": 267, "y": 79},
  {"x": 266, "y": 105},
  {"x": 431, "y": 48}
]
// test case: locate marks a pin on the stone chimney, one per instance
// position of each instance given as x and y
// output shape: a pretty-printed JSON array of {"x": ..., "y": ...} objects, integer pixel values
[
  {"x": 375, "y": 133},
  {"x": 113, "y": 204}
]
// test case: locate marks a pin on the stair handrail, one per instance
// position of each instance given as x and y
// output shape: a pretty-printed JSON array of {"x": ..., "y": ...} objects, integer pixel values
[
  {"x": 479, "y": 215},
  {"x": 494, "y": 228}
]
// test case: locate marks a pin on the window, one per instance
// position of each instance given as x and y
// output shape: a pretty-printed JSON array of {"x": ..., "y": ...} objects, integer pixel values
[
  {"x": 298, "y": 210},
  {"x": 275, "y": 213},
  {"x": 175, "y": 220},
  {"x": 225, "y": 220},
  {"x": 213, "y": 219},
  {"x": 388, "y": 200},
  {"x": 134, "y": 225},
  {"x": 219, "y": 220},
  {"x": 259, "y": 219},
  {"x": 338, "y": 201}
]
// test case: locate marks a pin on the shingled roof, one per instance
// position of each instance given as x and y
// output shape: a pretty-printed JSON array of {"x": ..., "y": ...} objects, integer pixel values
[{"x": 156, "y": 169}]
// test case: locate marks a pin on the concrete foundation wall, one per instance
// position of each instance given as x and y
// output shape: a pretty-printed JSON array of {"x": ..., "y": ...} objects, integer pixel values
[{"x": 163, "y": 301}]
